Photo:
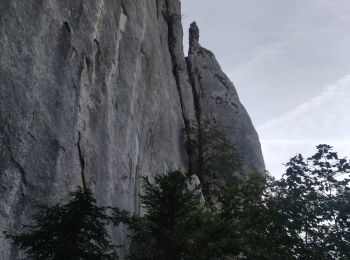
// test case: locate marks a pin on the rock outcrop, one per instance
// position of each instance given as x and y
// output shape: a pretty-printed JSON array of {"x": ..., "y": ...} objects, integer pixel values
[
  {"x": 217, "y": 102},
  {"x": 95, "y": 93}
]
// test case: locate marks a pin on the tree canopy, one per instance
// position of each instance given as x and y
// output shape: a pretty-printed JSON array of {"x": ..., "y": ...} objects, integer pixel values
[
  {"x": 217, "y": 159},
  {"x": 170, "y": 228},
  {"x": 303, "y": 215},
  {"x": 74, "y": 230}
]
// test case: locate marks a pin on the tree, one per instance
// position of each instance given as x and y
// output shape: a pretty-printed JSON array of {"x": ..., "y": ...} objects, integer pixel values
[
  {"x": 341, "y": 228},
  {"x": 75, "y": 230},
  {"x": 168, "y": 228},
  {"x": 242, "y": 206},
  {"x": 309, "y": 207},
  {"x": 175, "y": 225},
  {"x": 304, "y": 215},
  {"x": 217, "y": 158},
  {"x": 333, "y": 180}
]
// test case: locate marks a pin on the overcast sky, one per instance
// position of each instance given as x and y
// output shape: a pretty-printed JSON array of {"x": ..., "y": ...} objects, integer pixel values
[{"x": 290, "y": 63}]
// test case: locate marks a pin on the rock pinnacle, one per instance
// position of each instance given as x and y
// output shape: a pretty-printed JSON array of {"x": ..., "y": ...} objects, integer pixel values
[{"x": 194, "y": 34}]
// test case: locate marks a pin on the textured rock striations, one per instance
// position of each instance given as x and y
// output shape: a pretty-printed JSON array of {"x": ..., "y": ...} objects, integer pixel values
[
  {"x": 216, "y": 101},
  {"x": 95, "y": 93}
]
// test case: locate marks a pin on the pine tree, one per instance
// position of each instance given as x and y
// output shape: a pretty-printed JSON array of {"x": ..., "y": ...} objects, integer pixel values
[
  {"x": 173, "y": 225},
  {"x": 75, "y": 230}
]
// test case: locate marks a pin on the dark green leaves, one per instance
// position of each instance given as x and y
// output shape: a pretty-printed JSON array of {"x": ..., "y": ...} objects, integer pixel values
[
  {"x": 304, "y": 215},
  {"x": 75, "y": 230},
  {"x": 170, "y": 228},
  {"x": 217, "y": 158},
  {"x": 311, "y": 199}
]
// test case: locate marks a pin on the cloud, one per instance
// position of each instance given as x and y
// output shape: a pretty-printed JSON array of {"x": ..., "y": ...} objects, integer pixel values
[
  {"x": 329, "y": 93},
  {"x": 323, "y": 119},
  {"x": 260, "y": 55}
]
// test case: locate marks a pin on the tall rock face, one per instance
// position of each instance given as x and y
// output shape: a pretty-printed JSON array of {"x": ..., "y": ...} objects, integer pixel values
[
  {"x": 217, "y": 102},
  {"x": 95, "y": 93},
  {"x": 88, "y": 97}
]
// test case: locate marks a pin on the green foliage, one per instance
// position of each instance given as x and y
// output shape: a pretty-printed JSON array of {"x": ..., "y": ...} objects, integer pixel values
[
  {"x": 176, "y": 225},
  {"x": 218, "y": 160},
  {"x": 242, "y": 209},
  {"x": 312, "y": 194},
  {"x": 305, "y": 214},
  {"x": 75, "y": 230},
  {"x": 168, "y": 229}
]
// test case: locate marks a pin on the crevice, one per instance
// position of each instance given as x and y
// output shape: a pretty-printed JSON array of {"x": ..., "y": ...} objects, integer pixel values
[
  {"x": 195, "y": 81},
  {"x": 170, "y": 20},
  {"x": 143, "y": 52},
  {"x": 157, "y": 6},
  {"x": 98, "y": 49},
  {"x": 194, "y": 91},
  {"x": 89, "y": 68},
  {"x": 197, "y": 107},
  {"x": 74, "y": 50},
  {"x": 82, "y": 161},
  {"x": 67, "y": 27},
  {"x": 124, "y": 11},
  {"x": 31, "y": 135},
  {"x": 63, "y": 149},
  {"x": 193, "y": 46}
]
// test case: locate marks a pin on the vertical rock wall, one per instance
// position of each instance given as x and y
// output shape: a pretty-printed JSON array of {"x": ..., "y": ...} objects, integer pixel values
[
  {"x": 95, "y": 93},
  {"x": 88, "y": 96}
]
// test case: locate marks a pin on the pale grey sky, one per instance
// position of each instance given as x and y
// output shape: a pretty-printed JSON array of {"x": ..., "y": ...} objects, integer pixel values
[{"x": 290, "y": 63}]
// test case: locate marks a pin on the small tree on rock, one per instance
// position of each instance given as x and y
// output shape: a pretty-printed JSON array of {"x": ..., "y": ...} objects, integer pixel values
[{"x": 218, "y": 161}]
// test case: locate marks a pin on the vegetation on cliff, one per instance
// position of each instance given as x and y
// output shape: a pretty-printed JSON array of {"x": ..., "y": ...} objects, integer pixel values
[{"x": 303, "y": 215}]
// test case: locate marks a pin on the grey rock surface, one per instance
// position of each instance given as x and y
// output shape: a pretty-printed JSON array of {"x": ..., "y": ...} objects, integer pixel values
[
  {"x": 87, "y": 95},
  {"x": 96, "y": 93},
  {"x": 216, "y": 101}
]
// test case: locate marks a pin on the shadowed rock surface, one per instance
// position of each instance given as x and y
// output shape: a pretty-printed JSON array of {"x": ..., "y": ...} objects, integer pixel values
[{"x": 95, "y": 93}]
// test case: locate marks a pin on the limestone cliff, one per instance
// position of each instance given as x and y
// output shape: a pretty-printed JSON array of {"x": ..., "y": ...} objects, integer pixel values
[
  {"x": 95, "y": 93},
  {"x": 216, "y": 101}
]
